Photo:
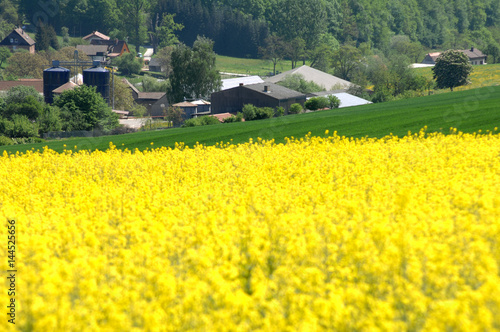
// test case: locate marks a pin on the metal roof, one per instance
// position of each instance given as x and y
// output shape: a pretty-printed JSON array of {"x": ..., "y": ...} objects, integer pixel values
[
  {"x": 234, "y": 82},
  {"x": 329, "y": 82},
  {"x": 274, "y": 90},
  {"x": 346, "y": 99}
]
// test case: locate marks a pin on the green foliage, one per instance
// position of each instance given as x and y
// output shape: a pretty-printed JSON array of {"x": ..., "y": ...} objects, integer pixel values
[
  {"x": 49, "y": 119},
  {"x": 128, "y": 64},
  {"x": 274, "y": 50},
  {"x": 151, "y": 84},
  {"x": 280, "y": 111},
  {"x": 165, "y": 33},
  {"x": 29, "y": 107},
  {"x": 18, "y": 94},
  {"x": 298, "y": 83},
  {"x": 4, "y": 140},
  {"x": 26, "y": 65},
  {"x": 317, "y": 103},
  {"x": 334, "y": 101},
  {"x": 46, "y": 37},
  {"x": 295, "y": 108},
  {"x": 345, "y": 61},
  {"x": 234, "y": 118},
  {"x": 201, "y": 121},
  {"x": 19, "y": 126},
  {"x": 175, "y": 115},
  {"x": 4, "y": 54},
  {"x": 138, "y": 111},
  {"x": 84, "y": 109},
  {"x": 193, "y": 71},
  {"x": 452, "y": 69},
  {"x": 249, "y": 112}
]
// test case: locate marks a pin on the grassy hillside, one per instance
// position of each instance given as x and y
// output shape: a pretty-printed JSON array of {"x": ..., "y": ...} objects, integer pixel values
[
  {"x": 481, "y": 76},
  {"x": 469, "y": 111}
]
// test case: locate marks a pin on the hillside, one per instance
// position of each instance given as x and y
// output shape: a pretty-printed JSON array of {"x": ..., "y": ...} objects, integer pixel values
[{"x": 468, "y": 111}]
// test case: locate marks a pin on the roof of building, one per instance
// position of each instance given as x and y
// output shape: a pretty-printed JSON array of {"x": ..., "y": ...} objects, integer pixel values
[
  {"x": 93, "y": 50},
  {"x": 67, "y": 86},
  {"x": 222, "y": 116},
  {"x": 144, "y": 95},
  {"x": 274, "y": 90},
  {"x": 96, "y": 34},
  {"x": 473, "y": 53},
  {"x": 23, "y": 35},
  {"x": 184, "y": 104},
  {"x": 229, "y": 83},
  {"x": 36, "y": 83},
  {"x": 329, "y": 82},
  {"x": 115, "y": 46},
  {"x": 346, "y": 99},
  {"x": 201, "y": 102},
  {"x": 154, "y": 62}
]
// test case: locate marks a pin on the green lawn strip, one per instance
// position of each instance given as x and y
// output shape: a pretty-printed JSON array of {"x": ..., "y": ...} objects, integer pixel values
[{"x": 468, "y": 111}]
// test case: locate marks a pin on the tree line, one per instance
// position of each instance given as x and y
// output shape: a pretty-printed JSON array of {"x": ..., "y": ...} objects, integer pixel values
[{"x": 239, "y": 28}]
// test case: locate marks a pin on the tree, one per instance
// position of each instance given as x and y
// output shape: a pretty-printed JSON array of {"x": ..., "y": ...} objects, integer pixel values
[
  {"x": 174, "y": 115},
  {"x": 193, "y": 71},
  {"x": 295, "y": 50},
  {"x": 84, "y": 109},
  {"x": 165, "y": 33},
  {"x": 4, "y": 54},
  {"x": 345, "y": 61},
  {"x": 274, "y": 50},
  {"x": 122, "y": 95},
  {"x": 452, "y": 69},
  {"x": 493, "y": 52},
  {"x": 134, "y": 18},
  {"x": 164, "y": 55},
  {"x": 128, "y": 64},
  {"x": 298, "y": 83},
  {"x": 26, "y": 65}
]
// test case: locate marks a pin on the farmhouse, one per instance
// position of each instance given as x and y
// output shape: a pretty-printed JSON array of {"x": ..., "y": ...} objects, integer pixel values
[
  {"x": 115, "y": 47},
  {"x": 94, "y": 52},
  {"x": 476, "y": 57},
  {"x": 260, "y": 95},
  {"x": 96, "y": 35},
  {"x": 155, "y": 102},
  {"x": 19, "y": 40},
  {"x": 327, "y": 81}
]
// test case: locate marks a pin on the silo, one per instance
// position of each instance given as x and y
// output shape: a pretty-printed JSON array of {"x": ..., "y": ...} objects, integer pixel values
[
  {"x": 98, "y": 77},
  {"x": 53, "y": 78}
]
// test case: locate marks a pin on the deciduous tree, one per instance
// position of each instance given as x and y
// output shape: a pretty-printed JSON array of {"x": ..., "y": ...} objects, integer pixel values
[{"x": 452, "y": 69}]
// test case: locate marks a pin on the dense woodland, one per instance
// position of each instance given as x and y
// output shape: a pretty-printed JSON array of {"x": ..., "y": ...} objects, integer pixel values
[{"x": 239, "y": 27}]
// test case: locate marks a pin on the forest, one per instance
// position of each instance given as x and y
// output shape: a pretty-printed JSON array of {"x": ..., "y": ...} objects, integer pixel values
[{"x": 240, "y": 27}]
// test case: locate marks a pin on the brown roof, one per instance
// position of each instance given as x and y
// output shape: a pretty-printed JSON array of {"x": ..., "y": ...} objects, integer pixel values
[
  {"x": 96, "y": 34},
  {"x": 67, "y": 86},
  {"x": 36, "y": 83},
  {"x": 473, "y": 53},
  {"x": 222, "y": 116},
  {"x": 144, "y": 95}
]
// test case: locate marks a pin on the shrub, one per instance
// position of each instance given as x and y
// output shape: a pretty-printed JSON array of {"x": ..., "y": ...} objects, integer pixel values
[
  {"x": 249, "y": 112},
  {"x": 280, "y": 111},
  {"x": 334, "y": 101},
  {"x": 264, "y": 113},
  {"x": 295, "y": 108},
  {"x": 192, "y": 122},
  {"x": 317, "y": 103},
  {"x": 4, "y": 140},
  {"x": 234, "y": 118},
  {"x": 209, "y": 120}
]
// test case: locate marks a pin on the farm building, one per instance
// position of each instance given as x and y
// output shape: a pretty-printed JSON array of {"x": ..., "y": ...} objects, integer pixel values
[
  {"x": 33, "y": 82},
  {"x": 96, "y": 35},
  {"x": 476, "y": 57},
  {"x": 260, "y": 95},
  {"x": 115, "y": 47},
  {"x": 155, "y": 102},
  {"x": 155, "y": 65},
  {"x": 327, "y": 81},
  {"x": 189, "y": 109},
  {"x": 18, "y": 40}
]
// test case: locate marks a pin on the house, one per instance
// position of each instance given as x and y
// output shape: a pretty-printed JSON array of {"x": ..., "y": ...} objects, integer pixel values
[
  {"x": 155, "y": 102},
  {"x": 188, "y": 108},
  {"x": 96, "y": 35},
  {"x": 115, "y": 47},
  {"x": 327, "y": 81},
  {"x": 155, "y": 65},
  {"x": 476, "y": 57},
  {"x": 229, "y": 83},
  {"x": 202, "y": 107},
  {"x": 346, "y": 99},
  {"x": 94, "y": 52},
  {"x": 34, "y": 82},
  {"x": 260, "y": 95},
  {"x": 19, "y": 40}
]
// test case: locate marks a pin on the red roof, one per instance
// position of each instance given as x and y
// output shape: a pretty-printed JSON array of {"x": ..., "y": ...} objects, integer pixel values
[{"x": 34, "y": 82}]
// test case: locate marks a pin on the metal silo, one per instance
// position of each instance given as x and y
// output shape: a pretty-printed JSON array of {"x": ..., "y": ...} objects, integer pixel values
[
  {"x": 98, "y": 77},
  {"x": 53, "y": 78}
]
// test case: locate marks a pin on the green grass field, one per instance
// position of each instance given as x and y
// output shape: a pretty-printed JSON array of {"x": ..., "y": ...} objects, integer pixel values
[
  {"x": 259, "y": 67},
  {"x": 468, "y": 111}
]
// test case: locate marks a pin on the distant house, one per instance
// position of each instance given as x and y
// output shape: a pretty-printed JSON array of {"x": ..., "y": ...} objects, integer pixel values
[
  {"x": 325, "y": 80},
  {"x": 188, "y": 108},
  {"x": 476, "y": 57},
  {"x": 155, "y": 65},
  {"x": 202, "y": 107},
  {"x": 155, "y": 102},
  {"x": 260, "y": 95},
  {"x": 94, "y": 52},
  {"x": 96, "y": 35},
  {"x": 229, "y": 83},
  {"x": 19, "y": 40},
  {"x": 115, "y": 47}
]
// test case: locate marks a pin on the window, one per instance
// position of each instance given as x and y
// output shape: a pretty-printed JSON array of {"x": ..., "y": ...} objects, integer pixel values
[{"x": 12, "y": 40}]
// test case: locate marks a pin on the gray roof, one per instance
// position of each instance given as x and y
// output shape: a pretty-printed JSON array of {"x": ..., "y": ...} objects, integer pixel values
[
  {"x": 473, "y": 53},
  {"x": 329, "y": 82},
  {"x": 154, "y": 62},
  {"x": 234, "y": 82},
  {"x": 93, "y": 50},
  {"x": 274, "y": 90},
  {"x": 346, "y": 99}
]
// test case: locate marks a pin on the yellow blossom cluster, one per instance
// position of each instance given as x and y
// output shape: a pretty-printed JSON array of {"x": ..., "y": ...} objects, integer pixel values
[{"x": 320, "y": 233}]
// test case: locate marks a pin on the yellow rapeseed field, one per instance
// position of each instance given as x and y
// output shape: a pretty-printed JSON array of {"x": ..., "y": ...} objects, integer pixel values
[{"x": 321, "y": 233}]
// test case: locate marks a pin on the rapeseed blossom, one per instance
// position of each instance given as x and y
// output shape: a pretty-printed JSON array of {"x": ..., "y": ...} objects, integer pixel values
[{"x": 320, "y": 233}]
